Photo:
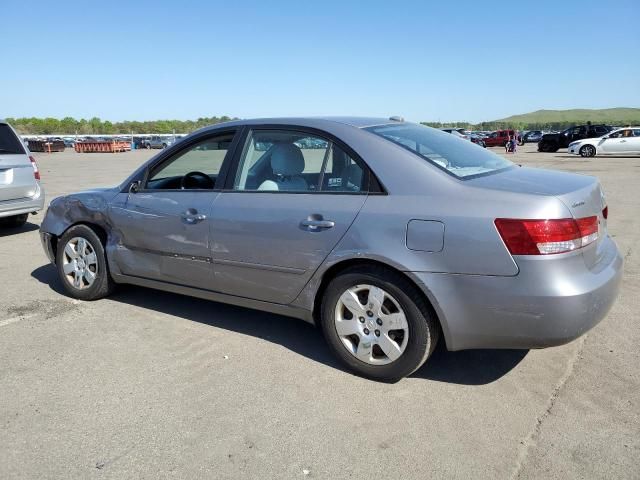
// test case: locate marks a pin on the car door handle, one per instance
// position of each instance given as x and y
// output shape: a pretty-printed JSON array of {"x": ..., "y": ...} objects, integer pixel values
[
  {"x": 316, "y": 222},
  {"x": 192, "y": 216},
  {"x": 623, "y": 141}
]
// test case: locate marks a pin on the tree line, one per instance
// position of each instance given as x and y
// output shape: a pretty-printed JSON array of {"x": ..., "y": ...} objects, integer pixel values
[{"x": 96, "y": 126}]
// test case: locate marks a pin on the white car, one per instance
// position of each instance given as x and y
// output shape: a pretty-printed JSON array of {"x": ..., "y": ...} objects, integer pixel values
[
  {"x": 623, "y": 141},
  {"x": 20, "y": 190}
]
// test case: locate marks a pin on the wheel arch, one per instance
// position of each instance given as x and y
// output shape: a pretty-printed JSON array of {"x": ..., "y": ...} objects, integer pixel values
[
  {"x": 98, "y": 230},
  {"x": 334, "y": 270}
]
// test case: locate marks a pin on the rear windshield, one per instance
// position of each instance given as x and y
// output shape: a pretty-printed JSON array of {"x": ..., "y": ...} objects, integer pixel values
[
  {"x": 9, "y": 142},
  {"x": 453, "y": 154}
]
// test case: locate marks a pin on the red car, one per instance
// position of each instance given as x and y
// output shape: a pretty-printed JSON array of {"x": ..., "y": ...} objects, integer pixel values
[{"x": 499, "y": 138}]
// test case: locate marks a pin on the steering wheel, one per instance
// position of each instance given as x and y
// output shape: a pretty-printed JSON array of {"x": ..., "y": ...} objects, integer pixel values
[{"x": 197, "y": 179}]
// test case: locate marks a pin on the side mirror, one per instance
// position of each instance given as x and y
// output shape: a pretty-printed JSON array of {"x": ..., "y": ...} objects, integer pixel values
[{"x": 134, "y": 187}]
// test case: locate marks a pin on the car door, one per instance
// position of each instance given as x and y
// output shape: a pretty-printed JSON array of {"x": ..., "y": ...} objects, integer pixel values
[
  {"x": 634, "y": 142},
  {"x": 164, "y": 225},
  {"x": 617, "y": 142},
  {"x": 287, "y": 202}
]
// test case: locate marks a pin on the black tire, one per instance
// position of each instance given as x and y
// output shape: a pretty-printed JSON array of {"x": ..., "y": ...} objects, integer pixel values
[
  {"x": 546, "y": 147},
  {"x": 424, "y": 329},
  {"x": 587, "y": 151},
  {"x": 148, "y": 146},
  {"x": 164, "y": 145},
  {"x": 15, "y": 221},
  {"x": 103, "y": 285}
]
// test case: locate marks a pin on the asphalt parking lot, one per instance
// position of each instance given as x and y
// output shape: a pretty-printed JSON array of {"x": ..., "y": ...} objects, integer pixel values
[{"x": 148, "y": 384}]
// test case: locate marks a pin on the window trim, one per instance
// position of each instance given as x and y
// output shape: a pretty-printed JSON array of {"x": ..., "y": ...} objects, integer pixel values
[
  {"x": 374, "y": 185},
  {"x": 179, "y": 149}
]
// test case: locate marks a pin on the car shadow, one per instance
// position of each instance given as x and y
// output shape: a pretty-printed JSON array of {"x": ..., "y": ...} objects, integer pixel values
[
  {"x": 472, "y": 367},
  {"x": 469, "y": 367},
  {"x": 5, "y": 231}
]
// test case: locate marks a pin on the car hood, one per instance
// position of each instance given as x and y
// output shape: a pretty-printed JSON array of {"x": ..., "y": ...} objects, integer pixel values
[
  {"x": 590, "y": 140},
  {"x": 102, "y": 193}
]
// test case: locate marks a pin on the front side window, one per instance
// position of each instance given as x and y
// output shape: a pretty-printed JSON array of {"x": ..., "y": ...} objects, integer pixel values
[
  {"x": 290, "y": 161},
  {"x": 456, "y": 156},
  {"x": 195, "y": 168}
]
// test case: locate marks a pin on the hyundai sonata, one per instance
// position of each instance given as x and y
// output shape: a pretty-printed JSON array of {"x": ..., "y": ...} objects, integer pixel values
[{"x": 386, "y": 234}]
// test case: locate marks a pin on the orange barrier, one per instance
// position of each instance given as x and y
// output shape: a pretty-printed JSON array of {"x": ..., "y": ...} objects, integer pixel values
[{"x": 102, "y": 147}]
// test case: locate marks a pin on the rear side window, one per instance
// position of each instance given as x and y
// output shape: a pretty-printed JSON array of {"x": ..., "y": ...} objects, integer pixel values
[
  {"x": 9, "y": 142},
  {"x": 292, "y": 161},
  {"x": 457, "y": 156}
]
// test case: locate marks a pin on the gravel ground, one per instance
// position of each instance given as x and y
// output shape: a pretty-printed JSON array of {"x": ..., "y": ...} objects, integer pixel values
[{"x": 153, "y": 385}]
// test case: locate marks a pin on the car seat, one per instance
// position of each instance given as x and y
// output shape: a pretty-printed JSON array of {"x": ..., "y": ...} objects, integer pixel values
[
  {"x": 352, "y": 178},
  {"x": 287, "y": 163}
]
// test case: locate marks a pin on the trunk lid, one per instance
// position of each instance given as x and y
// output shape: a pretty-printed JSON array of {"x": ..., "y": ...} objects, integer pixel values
[
  {"x": 581, "y": 194},
  {"x": 16, "y": 177}
]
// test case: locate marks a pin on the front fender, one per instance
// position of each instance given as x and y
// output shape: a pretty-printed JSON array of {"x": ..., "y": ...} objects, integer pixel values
[{"x": 85, "y": 207}]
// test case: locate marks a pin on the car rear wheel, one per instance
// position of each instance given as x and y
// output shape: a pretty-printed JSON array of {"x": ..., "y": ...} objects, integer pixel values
[
  {"x": 82, "y": 265},
  {"x": 588, "y": 151},
  {"x": 377, "y": 323},
  {"x": 15, "y": 221}
]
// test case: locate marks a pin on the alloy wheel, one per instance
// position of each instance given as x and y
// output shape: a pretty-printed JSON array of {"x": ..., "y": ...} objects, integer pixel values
[
  {"x": 80, "y": 263},
  {"x": 587, "y": 151},
  {"x": 371, "y": 324}
]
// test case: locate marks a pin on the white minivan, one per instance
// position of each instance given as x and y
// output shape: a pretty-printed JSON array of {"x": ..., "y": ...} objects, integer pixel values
[{"x": 20, "y": 189}]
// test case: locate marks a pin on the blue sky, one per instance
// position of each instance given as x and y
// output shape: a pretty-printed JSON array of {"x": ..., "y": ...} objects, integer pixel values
[{"x": 473, "y": 61}]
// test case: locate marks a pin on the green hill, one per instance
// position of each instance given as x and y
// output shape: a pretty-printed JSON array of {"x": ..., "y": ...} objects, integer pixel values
[{"x": 615, "y": 116}]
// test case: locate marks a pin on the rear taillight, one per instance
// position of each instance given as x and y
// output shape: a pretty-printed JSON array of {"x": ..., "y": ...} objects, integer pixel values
[
  {"x": 36, "y": 172},
  {"x": 545, "y": 237},
  {"x": 605, "y": 212}
]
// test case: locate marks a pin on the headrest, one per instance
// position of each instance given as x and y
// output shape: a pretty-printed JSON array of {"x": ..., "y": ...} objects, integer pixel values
[{"x": 287, "y": 160}]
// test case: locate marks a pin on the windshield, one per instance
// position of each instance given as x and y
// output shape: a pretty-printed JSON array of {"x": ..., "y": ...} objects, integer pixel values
[{"x": 456, "y": 156}]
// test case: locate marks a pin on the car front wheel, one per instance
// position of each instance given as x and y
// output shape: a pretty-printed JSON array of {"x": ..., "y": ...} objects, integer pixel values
[
  {"x": 377, "y": 323},
  {"x": 588, "y": 151},
  {"x": 82, "y": 265}
]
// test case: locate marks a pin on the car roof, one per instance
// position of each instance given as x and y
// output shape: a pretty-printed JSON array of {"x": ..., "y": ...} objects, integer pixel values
[{"x": 312, "y": 122}]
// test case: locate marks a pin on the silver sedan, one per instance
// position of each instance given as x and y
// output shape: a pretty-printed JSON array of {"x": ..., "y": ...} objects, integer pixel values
[{"x": 386, "y": 234}]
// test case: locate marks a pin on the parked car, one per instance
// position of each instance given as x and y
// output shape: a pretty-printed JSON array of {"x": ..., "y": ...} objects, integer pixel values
[
  {"x": 156, "y": 141},
  {"x": 478, "y": 140},
  {"x": 462, "y": 133},
  {"x": 533, "y": 136},
  {"x": 499, "y": 138},
  {"x": 349, "y": 237},
  {"x": 20, "y": 189},
  {"x": 552, "y": 142},
  {"x": 623, "y": 141}
]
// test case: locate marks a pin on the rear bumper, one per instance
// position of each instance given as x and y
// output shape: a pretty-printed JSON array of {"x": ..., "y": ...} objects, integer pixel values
[
  {"x": 550, "y": 302},
  {"x": 19, "y": 206}
]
